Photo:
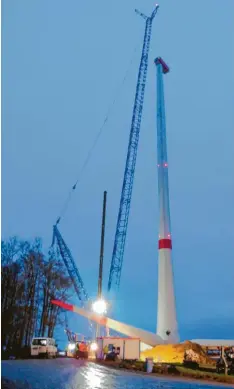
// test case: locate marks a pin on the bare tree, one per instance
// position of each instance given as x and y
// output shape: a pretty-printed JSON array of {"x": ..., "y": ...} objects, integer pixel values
[{"x": 30, "y": 280}]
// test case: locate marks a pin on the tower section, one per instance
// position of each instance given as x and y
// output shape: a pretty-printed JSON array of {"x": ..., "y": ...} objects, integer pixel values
[{"x": 167, "y": 326}]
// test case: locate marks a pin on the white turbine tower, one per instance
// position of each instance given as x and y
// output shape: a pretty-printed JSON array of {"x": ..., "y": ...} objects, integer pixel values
[{"x": 167, "y": 327}]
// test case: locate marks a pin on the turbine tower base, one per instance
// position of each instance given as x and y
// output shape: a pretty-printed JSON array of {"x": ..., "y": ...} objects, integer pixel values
[{"x": 167, "y": 327}]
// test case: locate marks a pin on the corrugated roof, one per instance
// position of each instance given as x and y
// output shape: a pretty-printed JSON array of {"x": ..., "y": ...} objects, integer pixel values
[{"x": 214, "y": 342}]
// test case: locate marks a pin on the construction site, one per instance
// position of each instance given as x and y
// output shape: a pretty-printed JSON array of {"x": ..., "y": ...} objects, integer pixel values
[
  {"x": 109, "y": 334},
  {"x": 149, "y": 342}
]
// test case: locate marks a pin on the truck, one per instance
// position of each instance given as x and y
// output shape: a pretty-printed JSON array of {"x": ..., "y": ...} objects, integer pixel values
[{"x": 78, "y": 350}]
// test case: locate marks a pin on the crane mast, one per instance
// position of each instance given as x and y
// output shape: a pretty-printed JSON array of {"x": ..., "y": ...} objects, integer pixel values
[
  {"x": 102, "y": 246},
  {"x": 100, "y": 274},
  {"x": 70, "y": 336},
  {"x": 125, "y": 200}
]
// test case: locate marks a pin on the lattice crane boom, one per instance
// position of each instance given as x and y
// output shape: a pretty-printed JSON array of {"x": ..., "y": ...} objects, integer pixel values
[
  {"x": 125, "y": 200},
  {"x": 70, "y": 265}
]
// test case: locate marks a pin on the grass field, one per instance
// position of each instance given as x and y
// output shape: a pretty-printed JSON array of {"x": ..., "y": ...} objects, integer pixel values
[{"x": 207, "y": 373}]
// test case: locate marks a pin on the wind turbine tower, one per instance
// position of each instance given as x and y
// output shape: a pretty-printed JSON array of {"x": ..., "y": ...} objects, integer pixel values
[{"x": 167, "y": 326}]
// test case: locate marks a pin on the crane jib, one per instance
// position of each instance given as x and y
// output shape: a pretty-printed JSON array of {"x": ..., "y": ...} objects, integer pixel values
[{"x": 71, "y": 266}]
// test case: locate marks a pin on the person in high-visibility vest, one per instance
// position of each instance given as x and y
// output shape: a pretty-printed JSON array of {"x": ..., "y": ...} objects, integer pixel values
[
  {"x": 82, "y": 350},
  {"x": 86, "y": 352},
  {"x": 77, "y": 350},
  {"x": 105, "y": 351}
]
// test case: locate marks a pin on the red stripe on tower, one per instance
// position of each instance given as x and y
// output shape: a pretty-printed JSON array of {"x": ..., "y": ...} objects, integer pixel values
[
  {"x": 63, "y": 305},
  {"x": 164, "y": 244}
]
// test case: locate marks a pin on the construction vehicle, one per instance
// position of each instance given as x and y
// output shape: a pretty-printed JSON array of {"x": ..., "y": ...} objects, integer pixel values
[
  {"x": 78, "y": 349},
  {"x": 75, "y": 276},
  {"x": 82, "y": 350}
]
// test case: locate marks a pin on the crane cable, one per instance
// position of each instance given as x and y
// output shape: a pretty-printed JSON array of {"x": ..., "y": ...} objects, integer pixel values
[{"x": 65, "y": 206}]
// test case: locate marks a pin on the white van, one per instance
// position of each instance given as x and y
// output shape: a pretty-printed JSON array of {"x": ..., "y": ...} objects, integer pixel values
[{"x": 43, "y": 347}]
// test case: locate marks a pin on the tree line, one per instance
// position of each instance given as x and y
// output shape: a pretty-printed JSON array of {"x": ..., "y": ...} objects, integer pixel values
[{"x": 30, "y": 280}]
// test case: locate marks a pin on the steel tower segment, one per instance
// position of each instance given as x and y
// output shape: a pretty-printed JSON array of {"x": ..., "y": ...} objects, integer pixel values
[
  {"x": 125, "y": 200},
  {"x": 167, "y": 327},
  {"x": 70, "y": 265},
  {"x": 163, "y": 186}
]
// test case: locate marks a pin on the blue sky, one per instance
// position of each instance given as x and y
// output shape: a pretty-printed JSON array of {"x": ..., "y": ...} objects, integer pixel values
[{"x": 62, "y": 62}]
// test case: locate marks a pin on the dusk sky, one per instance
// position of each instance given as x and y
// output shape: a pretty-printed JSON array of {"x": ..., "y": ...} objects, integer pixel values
[{"x": 62, "y": 65}]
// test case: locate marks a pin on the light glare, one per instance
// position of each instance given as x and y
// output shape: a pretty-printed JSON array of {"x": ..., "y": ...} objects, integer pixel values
[
  {"x": 100, "y": 307},
  {"x": 71, "y": 346},
  {"x": 94, "y": 346}
]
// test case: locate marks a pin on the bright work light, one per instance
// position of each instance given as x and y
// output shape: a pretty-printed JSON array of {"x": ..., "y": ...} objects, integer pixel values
[
  {"x": 71, "y": 346},
  {"x": 94, "y": 346},
  {"x": 99, "y": 306}
]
